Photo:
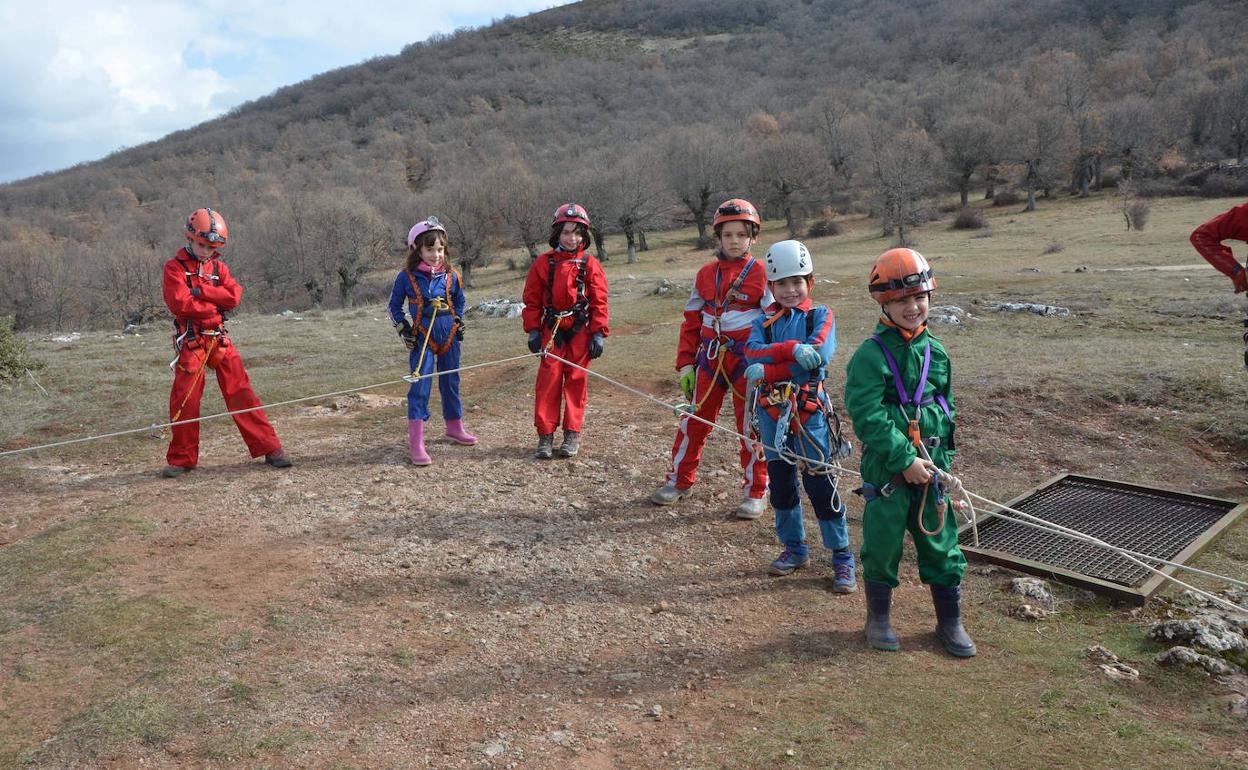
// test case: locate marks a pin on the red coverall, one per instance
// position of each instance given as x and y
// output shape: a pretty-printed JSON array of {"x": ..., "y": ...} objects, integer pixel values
[
  {"x": 717, "y": 310},
  {"x": 193, "y": 316},
  {"x": 1231, "y": 225},
  {"x": 555, "y": 380}
]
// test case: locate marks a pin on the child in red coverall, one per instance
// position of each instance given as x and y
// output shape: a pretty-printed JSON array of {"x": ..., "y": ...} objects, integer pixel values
[
  {"x": 198, "y": 290},
  {"x": 729, "y": 295},
  {"x": 565, "y": 313}
]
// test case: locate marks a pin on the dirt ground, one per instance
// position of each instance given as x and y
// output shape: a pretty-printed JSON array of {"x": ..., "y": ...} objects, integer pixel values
[{"x": 491, "y": 610}]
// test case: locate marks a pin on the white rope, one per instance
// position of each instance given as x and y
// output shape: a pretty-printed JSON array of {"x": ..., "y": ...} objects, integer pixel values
[
  {"x": 160, "y": 426},
  {"x": 1129, "y": 555}
]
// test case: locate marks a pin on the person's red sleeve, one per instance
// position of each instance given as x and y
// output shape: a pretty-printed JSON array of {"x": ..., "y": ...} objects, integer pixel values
[
  {"x": 596, "y": 295},
  {"x": 228, "y": 294},
  {"x": 534, "y": 295},
  {"x": 1231, "y": 225},
  {"x": 178, "y": 296}
]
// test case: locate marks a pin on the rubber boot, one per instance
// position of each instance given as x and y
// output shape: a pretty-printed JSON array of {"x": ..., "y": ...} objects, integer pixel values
[
  {"x": 571, "y": 444},
  {"x": 455, "y": 432},
  {"x": 879, "y": 632},
  {"x": 416, "y": 442},
  {"x": 948, "y": 603}
]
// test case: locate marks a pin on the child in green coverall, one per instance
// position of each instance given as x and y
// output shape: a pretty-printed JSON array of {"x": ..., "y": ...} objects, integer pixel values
[{"x": 897, "y": 392}]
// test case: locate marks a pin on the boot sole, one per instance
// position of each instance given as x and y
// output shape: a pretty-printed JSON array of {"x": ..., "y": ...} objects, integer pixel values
[
  {"x": 424, "y": 464},
  {"x": 957, "y": 652},
  {"x": 663, "y": 501},
  {"x": 779, "y": 572},
  {"x": 748, "y": 516},
  {"x": 882, "y": 647},
  {"x": 852, "y": 589},
  {"x": 461, "y": 442}
]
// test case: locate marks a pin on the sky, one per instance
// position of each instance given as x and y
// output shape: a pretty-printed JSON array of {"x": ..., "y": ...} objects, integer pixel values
[{"x": 79, "y": 79}]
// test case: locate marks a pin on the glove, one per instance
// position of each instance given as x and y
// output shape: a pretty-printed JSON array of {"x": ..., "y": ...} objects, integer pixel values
[
  {"x": 753, "y": 375},
  {"x": 459, "y": 330},
  {"x": 196, "y": 291},
  {"x": 807, "y": 357},
  {"x": 1240, "y": 280},
  {"x": 595, "y": 345},
  {"x": 687, "y": 377},
  {"x": 405, "y": 334},
  {"x": 535, "y": 341}
]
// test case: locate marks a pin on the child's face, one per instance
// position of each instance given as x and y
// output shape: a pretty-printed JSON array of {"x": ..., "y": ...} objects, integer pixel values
[
  {"x": 735, "y": 239},
  {"x": 909, "y": 312},
  {"x": 570, "y": 236},
  {"x": 432, "y": 254},
  {"x": 790, "y": 292},
  {"x": 202, "y": 252}
]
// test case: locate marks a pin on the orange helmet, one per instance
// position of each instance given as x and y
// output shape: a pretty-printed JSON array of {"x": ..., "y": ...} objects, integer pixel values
[
  {"x": 571, "y": 212},
  {"x": 207, "y": 228},
  {"x": 899, "y": 273},
  {"x": 737, "y": 210}
]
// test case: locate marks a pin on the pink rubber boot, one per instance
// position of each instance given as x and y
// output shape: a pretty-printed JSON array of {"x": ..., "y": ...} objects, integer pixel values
[
  {"x": 455, "y": 432},
  {"x": 416, "y": 442}
]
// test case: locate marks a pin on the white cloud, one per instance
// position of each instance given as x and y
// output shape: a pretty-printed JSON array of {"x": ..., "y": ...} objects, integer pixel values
[{"x": 79, "y": 79}]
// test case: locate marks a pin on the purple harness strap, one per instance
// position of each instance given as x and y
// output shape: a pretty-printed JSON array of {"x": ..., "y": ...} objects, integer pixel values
[{"x": 904, "y": 398}]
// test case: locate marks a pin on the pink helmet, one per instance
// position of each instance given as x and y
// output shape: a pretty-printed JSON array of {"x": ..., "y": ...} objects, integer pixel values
[
  {"x": 420, "y": 228},
  {"x": 571, "y": 212}
]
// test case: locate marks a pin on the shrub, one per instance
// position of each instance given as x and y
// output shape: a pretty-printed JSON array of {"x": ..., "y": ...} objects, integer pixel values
[
  {"x": 1110, "y": 179},
  {"x": 15, "y": 359},
  {"x": 1007, "y": 198},
  {"x": 1225, "y": 183},
  {"x": 1052, "y": 247},
  {"x": 1136, "y": 211},
  {"x": 968, "y": 219},
  {"x": 821, "y": 228}
]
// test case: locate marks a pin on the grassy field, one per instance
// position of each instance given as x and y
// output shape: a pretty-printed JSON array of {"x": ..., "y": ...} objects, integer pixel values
[{"x": 242, "y": 619}]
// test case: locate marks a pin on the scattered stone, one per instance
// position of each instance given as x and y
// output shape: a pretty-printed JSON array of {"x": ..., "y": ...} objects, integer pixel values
[
  {"x": 1206, "y": 631},
  {"x": 560, "y": 738},
  {"x": 496, "y": 308},
  {"x": 1081, "y": 269},
  {"x": 660, "y": 607},
  {"x": 948, "y": 315},
  {"x": 656, "y": 711},
  {"x": 1030, "y": 307},
  {"x": 1098, "y": 654},
  {"x": 492, "y": 749},
  {"x": 1028, "y": 612},
  {"x": 1238, "y": 706},
  {"x": 1186, "y": 656},
  {"x": 627, "y": 676},
  {"x": 1032, "y": 588},
  {"x": 790, "y": 753},
  {"x": 1120, "y": 672}
]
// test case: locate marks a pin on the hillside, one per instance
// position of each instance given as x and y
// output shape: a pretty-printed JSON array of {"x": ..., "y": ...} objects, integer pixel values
[{"x": 649, "y": 112}]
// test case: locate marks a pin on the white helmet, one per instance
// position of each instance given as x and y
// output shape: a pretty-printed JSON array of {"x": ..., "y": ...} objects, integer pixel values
[{"x": 787, "y": 258}]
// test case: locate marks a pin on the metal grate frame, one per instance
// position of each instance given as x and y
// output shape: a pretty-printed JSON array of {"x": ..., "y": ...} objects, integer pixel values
[{"x": 1171, "y": 525}]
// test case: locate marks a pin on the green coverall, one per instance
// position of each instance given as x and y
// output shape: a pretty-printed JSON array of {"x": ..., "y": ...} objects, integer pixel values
[{"x": 880, "y": 424}]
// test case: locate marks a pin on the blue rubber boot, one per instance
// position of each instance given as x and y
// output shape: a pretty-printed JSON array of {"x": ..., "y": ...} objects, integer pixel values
[
  {"x": 948, "y": 603},
  {"x": 879, "y": 632}
]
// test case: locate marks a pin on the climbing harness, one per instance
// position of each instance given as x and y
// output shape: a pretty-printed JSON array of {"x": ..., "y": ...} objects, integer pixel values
[
  {"x": 416, "y": 306},
  {"x": 791, "y": 405},
  {"x": 205, "y": 363},
  {"x": 579, "y": 313},
  {"x": 717, "y": 347},
  {"x": 918, "y": 400}
]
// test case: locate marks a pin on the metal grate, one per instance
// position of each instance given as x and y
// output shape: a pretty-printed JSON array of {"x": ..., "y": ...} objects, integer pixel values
[{"x": 1158, "y": 522}]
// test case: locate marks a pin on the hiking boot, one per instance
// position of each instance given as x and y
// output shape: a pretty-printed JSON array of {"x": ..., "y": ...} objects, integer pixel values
[
  {"x": 750, "y": 508},
  {"x": 173, "y": 471},
  {"x": 789, "y": 560},
  {"x": 947, "y": 600},
  {"x": 843, "y": 580},
  {"x": 879, "y": 631},
  {"x": 278, "y": 459},
  {"x": 669, "y": 494},
  {"x": 545, "y": 446},
  {"x": 571, "y": 443}
]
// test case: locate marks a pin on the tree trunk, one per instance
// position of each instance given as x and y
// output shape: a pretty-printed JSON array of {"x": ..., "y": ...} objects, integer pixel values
[
  {"x": 533, "y": 252},
  {"x": 600, "y": 245},
  {"x": 1097, "y": 175},
  {"x": 1031, "y": 200},
  {"x": 641, "y": 241},
  {"x": 631, "y": 238},
  {"x": 964, "y": 188},
  {"x": 465, "y": 272}
]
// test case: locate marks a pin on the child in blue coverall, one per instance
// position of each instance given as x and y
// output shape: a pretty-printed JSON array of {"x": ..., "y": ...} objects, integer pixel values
[
  {"x": 787, "y": 352},
  {"x": 434, "y": 294}
]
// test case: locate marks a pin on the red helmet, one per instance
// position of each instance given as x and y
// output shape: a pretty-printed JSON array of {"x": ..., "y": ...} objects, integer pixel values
[
  {"x": 207, "y": 228},
  {"x": 571, "y": 212},
  {"x": 737, "y": 210},
  {"x": 899, "y": 273}
]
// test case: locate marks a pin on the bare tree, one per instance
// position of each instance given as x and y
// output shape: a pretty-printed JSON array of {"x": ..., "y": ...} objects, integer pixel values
[
  {"x": 524, "y": 201},
  {"x": 698, "y": 160},
  {"x": 468, "y": 210},
  {"x": 1041, "y": 140},
  {"x": 1234, "y": 109},
  {"x": 1132, "y": 132},
  {"x": 904, "y": 165},
  {"x": 969, "y": 143},
  {"x": 788, "y": 171}
]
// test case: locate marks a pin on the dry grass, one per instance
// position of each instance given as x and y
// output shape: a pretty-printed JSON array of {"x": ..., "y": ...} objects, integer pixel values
[{"x": 1142, "y": 383}]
